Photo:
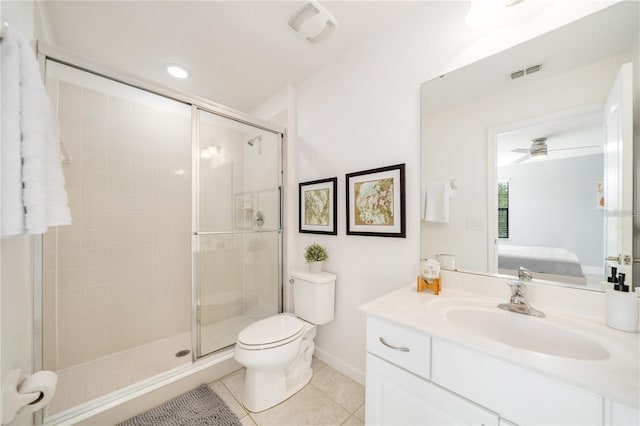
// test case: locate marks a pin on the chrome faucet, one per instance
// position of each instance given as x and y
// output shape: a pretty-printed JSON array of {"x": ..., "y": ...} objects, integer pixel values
[
  {"x": 525, "y": 275},
  {"x": 519, "y": 302}
]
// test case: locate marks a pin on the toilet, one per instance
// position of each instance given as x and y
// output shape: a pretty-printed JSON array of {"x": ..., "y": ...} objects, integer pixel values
[{"x": 277, "y": 350}]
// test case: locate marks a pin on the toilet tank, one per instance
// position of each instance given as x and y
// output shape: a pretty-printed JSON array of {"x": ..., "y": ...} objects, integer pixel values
[{"x": 314, "y": 296}]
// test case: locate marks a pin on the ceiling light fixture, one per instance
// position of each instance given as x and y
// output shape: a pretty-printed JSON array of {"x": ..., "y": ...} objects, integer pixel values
[
  {"x": 177, "y": 71},
  {"x": 312, "y": 22},
  {"x": 210, "y": 151},
  {"x": 538, "y": 149}
]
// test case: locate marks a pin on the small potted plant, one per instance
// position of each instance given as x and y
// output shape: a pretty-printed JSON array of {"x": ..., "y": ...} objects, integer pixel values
[{"x": 315, "y": 255}]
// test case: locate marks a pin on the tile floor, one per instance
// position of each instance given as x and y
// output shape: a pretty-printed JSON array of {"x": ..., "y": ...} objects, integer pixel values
[{"x": 331, "y": 398}]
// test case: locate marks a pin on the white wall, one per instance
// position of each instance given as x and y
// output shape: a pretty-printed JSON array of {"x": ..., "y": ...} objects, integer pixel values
[
  {"x": 363, "y": 111},
  {"x": 554, "y": 204}
]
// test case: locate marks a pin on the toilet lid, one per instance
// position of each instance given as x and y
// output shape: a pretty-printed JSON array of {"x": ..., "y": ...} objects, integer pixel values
[{"x": 271, "y": 330}]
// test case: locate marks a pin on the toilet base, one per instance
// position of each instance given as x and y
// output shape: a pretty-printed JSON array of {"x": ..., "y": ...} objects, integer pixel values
[
  {"x": 265, "y": 389},
  {"x": 272, "y": 389}
]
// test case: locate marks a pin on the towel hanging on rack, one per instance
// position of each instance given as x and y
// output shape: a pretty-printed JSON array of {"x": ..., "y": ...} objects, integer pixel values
[
  {"x": 33, "y": 194},
  {"x": 437, "y": 197}
]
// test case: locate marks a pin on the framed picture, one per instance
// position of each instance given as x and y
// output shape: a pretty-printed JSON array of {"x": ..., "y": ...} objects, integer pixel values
[
  {"x": 318, "y": 206},
  {"x": 376, "y": 202}
]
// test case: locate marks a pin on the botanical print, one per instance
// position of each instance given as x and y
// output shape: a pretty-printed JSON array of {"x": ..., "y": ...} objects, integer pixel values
[
  {"x": 374, "y": 202},
  {"x": 316, "y": 207}
]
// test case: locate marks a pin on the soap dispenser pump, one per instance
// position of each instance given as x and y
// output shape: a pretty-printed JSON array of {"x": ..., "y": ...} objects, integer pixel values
[{"x": 622, "y": 306}]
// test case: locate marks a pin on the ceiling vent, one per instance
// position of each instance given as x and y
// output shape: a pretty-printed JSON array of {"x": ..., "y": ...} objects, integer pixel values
[
  {"x": 517, "y": 74},
  {"x": 533, "y": 69},
  {"x": 526, "y": 71},
  {"x": 312, "y": 22}
]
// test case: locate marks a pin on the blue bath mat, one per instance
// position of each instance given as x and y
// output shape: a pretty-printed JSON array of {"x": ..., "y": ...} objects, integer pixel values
[{"x": 200, "y": 406}]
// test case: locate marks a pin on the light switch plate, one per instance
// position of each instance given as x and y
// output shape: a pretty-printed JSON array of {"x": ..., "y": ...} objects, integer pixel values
[{"x": 475, "y": 224}]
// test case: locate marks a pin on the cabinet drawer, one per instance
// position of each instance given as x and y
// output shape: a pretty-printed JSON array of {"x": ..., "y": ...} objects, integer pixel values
[
  {"x": 517, "y": 394},
  {"x": 400, "y": 345}
]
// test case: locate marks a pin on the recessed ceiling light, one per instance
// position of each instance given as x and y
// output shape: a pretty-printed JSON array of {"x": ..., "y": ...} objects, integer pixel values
[{"x": 177, "y": 71}]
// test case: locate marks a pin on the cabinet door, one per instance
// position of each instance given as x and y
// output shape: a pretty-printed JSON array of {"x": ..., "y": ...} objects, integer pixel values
[
  {"x": 621, "y": 415},
  {"x": 395, "y": 396},
  {"x": 517, "y": 394}
]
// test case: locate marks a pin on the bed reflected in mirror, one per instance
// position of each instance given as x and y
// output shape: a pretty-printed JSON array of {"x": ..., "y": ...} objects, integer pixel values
[{"x": 550, "y": 198}]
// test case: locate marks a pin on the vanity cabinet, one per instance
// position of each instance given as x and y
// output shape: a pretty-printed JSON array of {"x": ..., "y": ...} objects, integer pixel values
[
  {"x": 517, "y": 394},
  {"x": 397, "y": 389},
  {"x": 398, "y": 397},
  {"x": 618, "y": 415},
  {"x": 410, "y": 349},
  {"x": 415, "y": 379}
]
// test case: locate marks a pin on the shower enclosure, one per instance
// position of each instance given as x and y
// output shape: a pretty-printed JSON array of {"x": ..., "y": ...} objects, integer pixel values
[
  {"x": 176, "y": 241},
  {"x": 238, "y": 222}
]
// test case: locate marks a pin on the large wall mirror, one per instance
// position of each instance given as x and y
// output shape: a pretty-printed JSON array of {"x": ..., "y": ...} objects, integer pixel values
[{"x": 527, "y": 155}]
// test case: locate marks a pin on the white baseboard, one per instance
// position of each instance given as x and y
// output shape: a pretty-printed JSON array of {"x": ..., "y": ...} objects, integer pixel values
[{"x": 341, "y": 366}]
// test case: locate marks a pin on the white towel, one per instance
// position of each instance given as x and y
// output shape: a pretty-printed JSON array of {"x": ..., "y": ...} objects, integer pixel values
[
  {"x": 10, "y": 146},
  {"x": 43, "y": 197},
  {"x": 437, "y": 198}
]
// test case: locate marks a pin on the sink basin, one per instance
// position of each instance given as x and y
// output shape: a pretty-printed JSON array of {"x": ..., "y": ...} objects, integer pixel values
[{"x": 525, "y": 332}]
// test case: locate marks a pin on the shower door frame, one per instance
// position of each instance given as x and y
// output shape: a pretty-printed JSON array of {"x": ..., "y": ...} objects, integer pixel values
[
  {"x": 46, "y": 52},
  {"x": 196, "y": 233}
]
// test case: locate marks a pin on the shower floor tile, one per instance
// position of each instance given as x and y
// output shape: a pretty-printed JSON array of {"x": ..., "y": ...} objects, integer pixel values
[{"x": 93, "y": 379}]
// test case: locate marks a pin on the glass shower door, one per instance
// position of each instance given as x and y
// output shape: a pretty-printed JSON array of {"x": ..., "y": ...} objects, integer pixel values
[{"x": 237, "y": 229}]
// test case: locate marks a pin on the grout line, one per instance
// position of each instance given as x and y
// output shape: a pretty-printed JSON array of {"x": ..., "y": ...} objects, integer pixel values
[
  {"x": 325, "y": 365},
  {"x": 354, "y": 413},
  {"x": 346, "y": 420},
  {"x": 234, "y": 397},
  {"x": 331, "y": 398},
  {"x": 248, "y": 413}
]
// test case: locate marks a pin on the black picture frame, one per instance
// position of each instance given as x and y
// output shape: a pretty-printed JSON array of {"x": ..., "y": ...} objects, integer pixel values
[
  {"x": 376, "y": 202},
  {"x": 318, "y": 206}
]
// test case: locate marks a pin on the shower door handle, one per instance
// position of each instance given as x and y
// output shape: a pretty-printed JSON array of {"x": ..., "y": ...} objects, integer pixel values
[{"x": 259, "y": 220}]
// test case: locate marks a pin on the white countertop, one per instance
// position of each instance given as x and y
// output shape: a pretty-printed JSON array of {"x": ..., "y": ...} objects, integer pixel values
[{"x": 616, "y": 377}]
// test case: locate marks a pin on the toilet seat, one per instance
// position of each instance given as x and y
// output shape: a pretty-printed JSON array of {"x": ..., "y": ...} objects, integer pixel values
[{"x": 271, "y": 332}]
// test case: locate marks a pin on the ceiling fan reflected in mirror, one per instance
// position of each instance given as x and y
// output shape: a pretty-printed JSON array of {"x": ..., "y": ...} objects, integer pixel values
[{"x": 538, "y": 149}]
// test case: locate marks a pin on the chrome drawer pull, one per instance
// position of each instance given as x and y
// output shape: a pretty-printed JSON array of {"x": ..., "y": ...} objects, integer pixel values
[{"x": 397, "y": 348}]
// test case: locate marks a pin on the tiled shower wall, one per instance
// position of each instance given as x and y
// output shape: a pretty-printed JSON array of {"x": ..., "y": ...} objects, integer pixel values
[{"x": 120, "y": 276}]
